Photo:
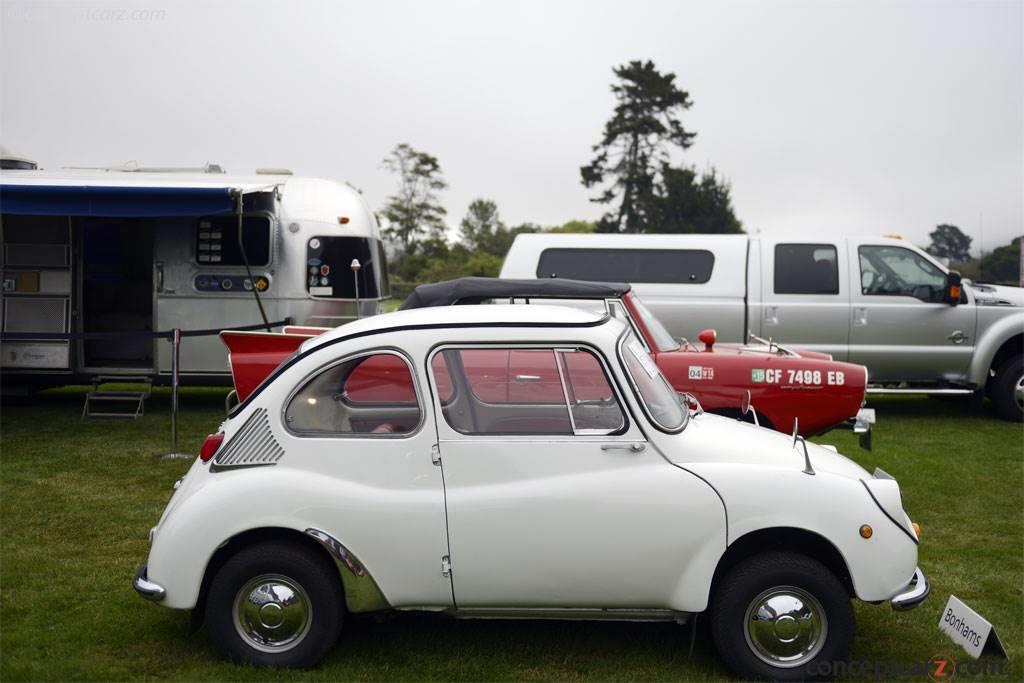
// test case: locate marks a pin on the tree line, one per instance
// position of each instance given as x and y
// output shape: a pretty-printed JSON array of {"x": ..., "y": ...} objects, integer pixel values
[
  {"x": 633, "y": 171},
  {"x": 999, "y": 266}
]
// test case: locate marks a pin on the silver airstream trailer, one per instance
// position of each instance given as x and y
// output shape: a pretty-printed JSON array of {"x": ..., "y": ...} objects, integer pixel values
[{"x": 96, "y": 260}]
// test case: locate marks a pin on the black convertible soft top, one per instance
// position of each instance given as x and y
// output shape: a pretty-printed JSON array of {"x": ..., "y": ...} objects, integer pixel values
[{"x": 473, "y": 290}]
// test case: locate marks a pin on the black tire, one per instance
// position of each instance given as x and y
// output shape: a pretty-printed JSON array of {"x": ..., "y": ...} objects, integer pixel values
[
  {"x": 1006, "y": 388},
  {"x": 291, "y": 577},
  {"x": 800, "y": 583}
]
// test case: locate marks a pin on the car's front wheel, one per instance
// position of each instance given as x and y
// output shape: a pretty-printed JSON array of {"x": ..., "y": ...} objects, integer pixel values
[
  {"x": 782, "y": 616},
  {"x": 275, "y": 604}
]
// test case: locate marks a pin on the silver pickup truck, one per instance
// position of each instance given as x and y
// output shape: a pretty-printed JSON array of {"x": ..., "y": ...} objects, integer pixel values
[{"x": 877, "y": 301}]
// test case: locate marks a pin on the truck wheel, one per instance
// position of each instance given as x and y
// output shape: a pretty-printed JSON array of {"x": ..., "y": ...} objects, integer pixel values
[
  {"x": 782, "y": 616},
  {"x": 1008, "y": 390},
  {"x": 275, "y": 604}
]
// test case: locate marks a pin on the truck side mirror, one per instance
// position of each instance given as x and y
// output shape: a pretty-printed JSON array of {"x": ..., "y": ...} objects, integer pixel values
[{"x": 953, "y": 288}]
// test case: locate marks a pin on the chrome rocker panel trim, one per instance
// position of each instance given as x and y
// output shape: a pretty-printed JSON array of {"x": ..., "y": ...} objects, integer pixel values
[
  {"x": 918, "y": 590},
  {"x": 146, "y": 588}
]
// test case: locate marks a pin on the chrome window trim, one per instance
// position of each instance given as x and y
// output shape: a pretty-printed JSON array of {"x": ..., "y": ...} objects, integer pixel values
[
  {"x": 639, "y": 396},
  {"x": 388, "y": 350},
  {"x": 617, "y": 392}
]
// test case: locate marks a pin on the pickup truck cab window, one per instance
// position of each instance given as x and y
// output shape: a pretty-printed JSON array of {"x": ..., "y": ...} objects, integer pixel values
[
  {"x": 368, "y": 395},
  {"x": 655, "y": 393},
  {"x": 494, "y": 391},
  {"x": 806, "y": 269},
  {"x": 896, "y": 271},
  {"x": 669, "y": 266}
]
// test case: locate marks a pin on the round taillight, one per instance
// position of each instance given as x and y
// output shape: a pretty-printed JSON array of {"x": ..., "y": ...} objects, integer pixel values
[{"x": 210, "y": 446}]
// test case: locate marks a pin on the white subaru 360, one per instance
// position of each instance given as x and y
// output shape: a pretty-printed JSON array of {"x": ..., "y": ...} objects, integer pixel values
[{"x": 519, "y": 461}]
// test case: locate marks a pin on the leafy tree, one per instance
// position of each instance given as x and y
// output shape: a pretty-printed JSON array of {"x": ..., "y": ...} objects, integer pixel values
[
  {"x": 1001, "y": 266},
  {"x": 950, "y": 243},
  {"x": 692, "y": 203},
  {"x": 635, "y": 145},
  {"x": 576, "y": 226},
  {"x": 480, "y": 225},
  {"x": 414, "y": 210}
]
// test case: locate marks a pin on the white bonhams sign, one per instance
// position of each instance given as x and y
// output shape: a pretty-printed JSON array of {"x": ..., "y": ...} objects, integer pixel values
[{"x": 969, "y": 629}]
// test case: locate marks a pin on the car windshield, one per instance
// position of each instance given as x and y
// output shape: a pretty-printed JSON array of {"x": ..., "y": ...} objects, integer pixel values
[
  {"x": 656, "y": 395},
  {"x": 659, "y": 335}
]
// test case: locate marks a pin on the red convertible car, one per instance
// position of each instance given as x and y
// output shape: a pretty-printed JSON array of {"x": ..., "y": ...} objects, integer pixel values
[{"x": 780, "y": 388}]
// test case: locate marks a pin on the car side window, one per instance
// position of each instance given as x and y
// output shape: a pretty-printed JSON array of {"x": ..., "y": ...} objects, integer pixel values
[
  {"x": 897, "y": 271},
  {"x": 370, "y": 395},
  {"x": 806, "y": 269},
  {"x": 496, "y": 391}
]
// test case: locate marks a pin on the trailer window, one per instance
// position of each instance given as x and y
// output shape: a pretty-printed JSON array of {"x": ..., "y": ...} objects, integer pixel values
[
  {"x": 668, "y": 266},
  {"x": 217, "y": 240},
  {"x": 806, "y": 269}
]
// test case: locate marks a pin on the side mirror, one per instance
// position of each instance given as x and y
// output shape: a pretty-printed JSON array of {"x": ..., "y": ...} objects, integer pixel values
[{"x": 953, "y": 288}]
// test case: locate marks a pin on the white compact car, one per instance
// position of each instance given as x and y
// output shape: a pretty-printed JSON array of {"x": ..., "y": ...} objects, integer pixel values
[{"x": 418, "y": 461}]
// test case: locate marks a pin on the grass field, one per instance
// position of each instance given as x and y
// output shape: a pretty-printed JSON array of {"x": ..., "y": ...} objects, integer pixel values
[{"x": 78, "y": 498}]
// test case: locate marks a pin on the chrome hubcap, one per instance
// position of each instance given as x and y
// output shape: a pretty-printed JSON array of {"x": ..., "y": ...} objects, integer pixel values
[
  {"x": 1018, "y": 393},
  {"x": 272, "y": 613},
  {"x": 785, "y": 626}
]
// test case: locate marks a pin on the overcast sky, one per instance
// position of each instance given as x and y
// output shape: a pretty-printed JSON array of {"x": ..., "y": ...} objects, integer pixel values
[{"x": 831, "y": 117}]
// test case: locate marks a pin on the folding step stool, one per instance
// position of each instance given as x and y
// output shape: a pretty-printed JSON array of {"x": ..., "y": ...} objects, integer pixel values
[{"x": 135, "y": 400}]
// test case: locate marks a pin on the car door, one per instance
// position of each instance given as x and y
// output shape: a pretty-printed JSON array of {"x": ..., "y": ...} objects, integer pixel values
[
  {"x": 901, "y": 327},
  {"x": 556, "y": 499},
  {"x": 806, "y": 296},
  {"x": 361, "y": 422}
]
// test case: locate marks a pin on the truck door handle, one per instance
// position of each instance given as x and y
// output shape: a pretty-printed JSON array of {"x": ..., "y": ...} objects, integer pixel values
[
  {"x": 771, "y": 315},
  {"x": 860, "y": 316},
  {"x": 635, "y": 447},
  {"x": 958, "y": 337}
]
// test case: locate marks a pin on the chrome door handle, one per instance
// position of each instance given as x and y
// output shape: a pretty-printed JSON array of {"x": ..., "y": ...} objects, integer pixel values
[
  {"x": 635, "y": 447},
  {"x": 771, "y": 315},
  {"x": 527, "y": 378},
  {"x": 860, "y": 316},
  {"x": 958, "y": 337}
]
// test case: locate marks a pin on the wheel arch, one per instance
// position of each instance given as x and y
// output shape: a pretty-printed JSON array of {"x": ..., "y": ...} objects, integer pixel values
[
  {"x": 1014, "y": 346},
  {"x": 791, "y": 539},
  {"x": 994, "y": 345},
  {"x": 361, "y": 592}
]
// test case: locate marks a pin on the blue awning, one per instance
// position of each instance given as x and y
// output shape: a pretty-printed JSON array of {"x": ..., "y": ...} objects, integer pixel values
[{"x": 107, "y": 201}]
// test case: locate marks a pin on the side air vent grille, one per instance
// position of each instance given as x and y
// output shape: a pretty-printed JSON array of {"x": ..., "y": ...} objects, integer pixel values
[{"x": 254, "y": 444}]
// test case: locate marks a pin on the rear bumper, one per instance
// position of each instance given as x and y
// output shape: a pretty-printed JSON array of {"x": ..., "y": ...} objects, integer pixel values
[
  {"x": 861, "y": 426},
  {"x": 146, "y": 588},
  {"x": 914, "y": 594}
]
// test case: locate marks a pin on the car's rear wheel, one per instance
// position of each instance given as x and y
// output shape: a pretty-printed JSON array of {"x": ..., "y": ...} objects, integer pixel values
[
  {"x": 1007, "y": 389},
  {"x": 782, "y": 616},
  {"x": 275, "y": 604}
]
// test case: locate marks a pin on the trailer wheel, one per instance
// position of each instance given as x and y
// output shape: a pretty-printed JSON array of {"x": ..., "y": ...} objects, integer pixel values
[{"x": 1007, "y": 389}]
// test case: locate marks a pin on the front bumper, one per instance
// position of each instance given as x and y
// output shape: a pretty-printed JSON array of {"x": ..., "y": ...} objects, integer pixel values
[
  {"x": 914, "y": 594},
  {"x": 146, "y": 588}
]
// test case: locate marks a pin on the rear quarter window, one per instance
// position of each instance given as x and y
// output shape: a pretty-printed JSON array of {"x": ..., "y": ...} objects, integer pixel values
[{"x": 662, "y": 266}]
